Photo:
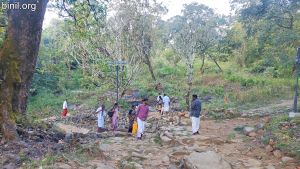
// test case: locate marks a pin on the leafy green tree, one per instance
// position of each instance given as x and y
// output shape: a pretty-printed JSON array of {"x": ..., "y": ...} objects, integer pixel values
[
  {"x": 194, "y": 33},
  {"x": 135, "y": 21},
  {"x": 271, "y": 29}
]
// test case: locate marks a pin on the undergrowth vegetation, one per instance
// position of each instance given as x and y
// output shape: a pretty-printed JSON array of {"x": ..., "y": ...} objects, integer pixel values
[
  {"x": 234, "y": 88},
  {"x": 286, "y": 133},
  {"x": 76, "y": 153}
]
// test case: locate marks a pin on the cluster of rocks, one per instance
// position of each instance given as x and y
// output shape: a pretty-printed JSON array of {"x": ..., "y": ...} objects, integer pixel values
[
  {"x": 185, "y": 153},
  {"x": 54, "y": 136},
  {"x": 168, "y": 143},
  {"x": 252, "y": 131},
  {"x": 176, "y": 147},
  {"x": 33, "y": 143},
  {"x": 270, "y": 148},
  {"x": 288, "y": 125}
]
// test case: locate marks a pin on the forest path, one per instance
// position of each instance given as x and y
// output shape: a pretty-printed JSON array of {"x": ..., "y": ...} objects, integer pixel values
[
  {"x": 273, "y": 108},
  {"x": 231, "y": 143}
]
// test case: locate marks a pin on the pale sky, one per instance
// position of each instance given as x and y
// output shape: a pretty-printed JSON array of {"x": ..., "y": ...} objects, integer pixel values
[{"x": 174, "y": 7}]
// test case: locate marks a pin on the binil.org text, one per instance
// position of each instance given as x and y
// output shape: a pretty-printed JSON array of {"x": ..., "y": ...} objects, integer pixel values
[{"x": 18, "y": 6}]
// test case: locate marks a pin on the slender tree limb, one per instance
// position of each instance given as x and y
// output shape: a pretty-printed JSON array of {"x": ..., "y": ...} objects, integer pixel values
[
  {"x": 215, "y": 62},
  {"x": 68, "y": 12},
  {"x": 202, "y": 65}
]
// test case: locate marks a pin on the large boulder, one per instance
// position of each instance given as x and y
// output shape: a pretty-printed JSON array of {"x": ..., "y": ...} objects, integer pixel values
[
  {"x": 293, "y": 115},
  {"x": 286, "y": 159},
  {"x": 165, "y": 140},
  {"x": 105, "y": 147},
  {"x": 205, "y": 160},
  {"x": 248, "y": 129}
]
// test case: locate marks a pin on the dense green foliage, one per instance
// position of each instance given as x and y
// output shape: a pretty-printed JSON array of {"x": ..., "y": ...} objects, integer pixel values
[{"x": 266, "y": 34}]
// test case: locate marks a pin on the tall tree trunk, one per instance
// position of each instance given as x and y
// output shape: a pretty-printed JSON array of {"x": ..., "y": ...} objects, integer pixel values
[
  {"x": 189, "y": 83},
  {"x": 148, "y": 63},
  {"x": 18, "y": 57}
]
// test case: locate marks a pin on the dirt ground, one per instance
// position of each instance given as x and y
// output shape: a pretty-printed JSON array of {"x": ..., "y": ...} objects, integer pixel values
[
  {"x": 168, "y": 145},
  {"x": 241, "y": 151}
]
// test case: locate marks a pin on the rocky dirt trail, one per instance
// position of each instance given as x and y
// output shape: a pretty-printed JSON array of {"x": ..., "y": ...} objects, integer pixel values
[
  {"x": 223, "y": 144},
  {"x": 280, "y": 106},
  {"x": 168, "y": 145}
]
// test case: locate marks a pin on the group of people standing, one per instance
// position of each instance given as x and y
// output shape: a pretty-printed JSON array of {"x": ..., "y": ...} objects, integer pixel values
[
  {"x": 137, "y": 114},
  {"x": 163, "y": 104},
  {"x": 113, "y": 114}
]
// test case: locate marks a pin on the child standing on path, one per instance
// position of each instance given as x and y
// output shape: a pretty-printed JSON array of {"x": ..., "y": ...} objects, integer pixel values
[
  {"x": 159, "y": 103},
  {"x": 131, "y": 118}
]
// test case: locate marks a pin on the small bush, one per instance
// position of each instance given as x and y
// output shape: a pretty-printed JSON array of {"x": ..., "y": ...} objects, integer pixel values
[
  {"x": 44, "y": 104},
  {"x": 165, "y": 71},
  {"x": 231, "y": 136},
  {"x": 157, "y": 139},
  {"x": 246, "y": 81}
]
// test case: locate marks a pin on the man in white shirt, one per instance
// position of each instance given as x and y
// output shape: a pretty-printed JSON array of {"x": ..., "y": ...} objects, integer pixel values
[
  {"x": 166, "y": 104},
  {"x": 65, "y": 109}
]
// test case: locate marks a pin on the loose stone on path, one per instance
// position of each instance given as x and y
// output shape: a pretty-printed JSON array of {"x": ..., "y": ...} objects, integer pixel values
[{"x": 206, "y": 160}]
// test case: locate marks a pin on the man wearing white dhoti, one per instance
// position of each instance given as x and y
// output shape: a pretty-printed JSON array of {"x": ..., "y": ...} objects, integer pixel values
[
  {"x": 101, "y": 117},
  {"x": 166, "y": 104},
  {"x": 142, "y": 115},
  {"x": 195, "y": 114}
]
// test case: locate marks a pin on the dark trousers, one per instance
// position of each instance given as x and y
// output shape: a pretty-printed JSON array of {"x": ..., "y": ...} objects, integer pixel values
[{"x": 130, "y": 126}]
